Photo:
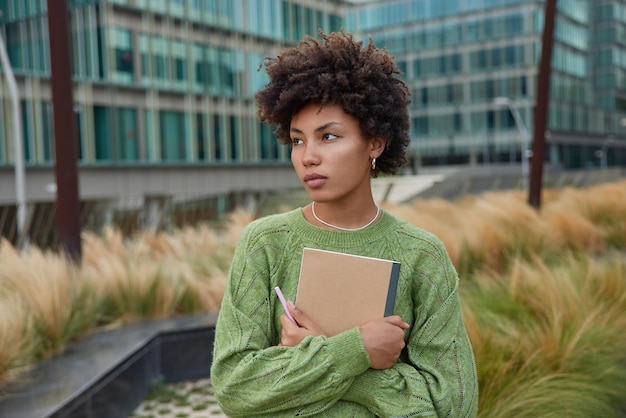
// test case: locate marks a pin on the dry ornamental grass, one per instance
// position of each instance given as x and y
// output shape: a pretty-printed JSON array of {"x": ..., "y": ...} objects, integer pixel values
[{"x": 544, "y": 293}]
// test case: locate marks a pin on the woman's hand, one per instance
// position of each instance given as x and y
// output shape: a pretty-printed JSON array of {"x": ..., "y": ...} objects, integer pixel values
[
  {"x": 292, "y": 334},
  {"x": 384, "y": 340}
]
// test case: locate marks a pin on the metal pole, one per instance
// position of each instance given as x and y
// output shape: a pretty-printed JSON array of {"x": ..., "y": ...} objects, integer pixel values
[
  {"x": 541, "y": 110},
  {"x": 521, "y": 127},
  {"x": 20, "y": 188},
  {"x": 66, "y": 146},
  {"x": 605, "y": 148},
  {"x": 524, "y": 134}
]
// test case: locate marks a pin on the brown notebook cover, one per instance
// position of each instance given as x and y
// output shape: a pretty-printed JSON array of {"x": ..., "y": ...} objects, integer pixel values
[{"x": 341, "y": 291}]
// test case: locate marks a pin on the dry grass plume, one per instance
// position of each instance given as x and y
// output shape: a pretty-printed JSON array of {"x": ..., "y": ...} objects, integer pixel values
[{"x": 544, "y": 292}]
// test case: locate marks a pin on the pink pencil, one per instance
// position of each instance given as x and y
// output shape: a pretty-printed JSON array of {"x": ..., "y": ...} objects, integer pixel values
[{"x": 284, "y": 303}]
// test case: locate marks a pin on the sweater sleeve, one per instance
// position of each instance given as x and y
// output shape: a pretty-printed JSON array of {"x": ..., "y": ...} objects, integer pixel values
[
  {"x": 250, "y": 374},
  {"x": 436, "y": 376}
]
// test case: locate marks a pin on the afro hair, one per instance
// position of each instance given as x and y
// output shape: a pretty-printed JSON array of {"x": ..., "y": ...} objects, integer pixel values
[{"x": 338, "y": 69}]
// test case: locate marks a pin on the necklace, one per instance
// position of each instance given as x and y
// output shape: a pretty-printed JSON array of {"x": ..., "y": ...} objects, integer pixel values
[{"x": 344, "y": 229}]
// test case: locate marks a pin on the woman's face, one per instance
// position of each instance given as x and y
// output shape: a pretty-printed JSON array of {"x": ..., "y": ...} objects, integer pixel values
[{"x": 329, "y": 154}]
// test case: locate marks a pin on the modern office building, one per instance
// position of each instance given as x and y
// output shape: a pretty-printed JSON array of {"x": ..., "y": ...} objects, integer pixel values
[
  {"x": 156, "y": 81},
  {"x": 164, "y": 97},
  {"x": 473, "y": 66}
]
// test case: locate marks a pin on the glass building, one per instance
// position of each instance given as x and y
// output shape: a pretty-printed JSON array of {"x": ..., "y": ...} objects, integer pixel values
[
  {"x": 163, "y": 108},
  {"x": 472, "y": 67},
  {"x": 172, "y": 81},
  {"x": 157, "y": 81}
]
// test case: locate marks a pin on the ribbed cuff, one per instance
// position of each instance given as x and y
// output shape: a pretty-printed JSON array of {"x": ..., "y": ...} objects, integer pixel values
[{"x": 350, "y": 356}]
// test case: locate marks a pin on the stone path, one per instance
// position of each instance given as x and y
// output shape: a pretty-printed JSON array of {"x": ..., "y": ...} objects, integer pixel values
[{"x": 182, "y": 400}]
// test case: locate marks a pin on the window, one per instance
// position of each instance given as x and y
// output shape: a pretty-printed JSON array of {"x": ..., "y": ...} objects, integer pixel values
[
  {"x": 15, "y": 44},
  {"x": 200, "y": 138},
  {"x": 491, "y": 120},
  {"x": 126, "y": 140},
  {"x": 217, "y": 138},
  {"x": 455, "y": 93},
  {"x": 509, "y": 55},
  {"x": 420, "y": 126},
  {"x": 176, "y": 8},
  {"x": 458, "y": 122},
  {"x": 160, "y": 56},
  {"x": 122, "y": 54},
  {"x": 124, "y": 60},
  {"x": 402, "y": 66},
  {"x": 472, "y": 31},
  {"x": 417, "y": 68},
  {"x": 479, "y": 122},
  {"x": 495, "y": 58},
  {"x": 47, "y": 132},
  {"x": 490, "y": 89},
  {"x": 227, "y": 79},
  {"x": 199, "y": 64},
  {"x": 179, "y": 64},
  {"x": 235, "y": 148},
  {"x": 256, "y": 79},
  {"x": 452, "y": 35},
  {"x": 172, "y": 136},
  {"x": 514, "y": 25},
  {"x": 212, "y": 70},
  {"x": 27, "y": 124},
  {"x": 39, "y": 45},
  {"x": 506, "y": 119},
  {"x": 102, "y": 126},
  {"x": 146, "y": 62},
  {"x": 269, "y": 144},
  {"x": 456, "y": 63}
]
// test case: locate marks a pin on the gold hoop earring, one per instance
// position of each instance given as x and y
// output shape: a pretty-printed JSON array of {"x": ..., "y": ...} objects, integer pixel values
[{"x": 374, "y": 163}]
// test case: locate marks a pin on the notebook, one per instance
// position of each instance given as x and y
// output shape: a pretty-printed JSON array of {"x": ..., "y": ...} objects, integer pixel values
[{"x": 340, "y": 291}]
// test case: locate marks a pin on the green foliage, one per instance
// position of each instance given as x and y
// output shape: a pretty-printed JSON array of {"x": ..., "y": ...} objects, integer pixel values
[{"x": 549, "y": 339}]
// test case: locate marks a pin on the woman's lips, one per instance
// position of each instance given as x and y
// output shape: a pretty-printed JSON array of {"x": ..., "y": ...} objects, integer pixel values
[{"x": 314, "y": 180}]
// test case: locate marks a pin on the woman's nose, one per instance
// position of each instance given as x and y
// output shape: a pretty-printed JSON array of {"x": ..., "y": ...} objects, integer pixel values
[{"x": 310, "y": 155}]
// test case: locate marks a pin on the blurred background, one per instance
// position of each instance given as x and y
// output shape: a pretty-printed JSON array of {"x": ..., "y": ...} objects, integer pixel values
[{"x": 164, "y": 113}]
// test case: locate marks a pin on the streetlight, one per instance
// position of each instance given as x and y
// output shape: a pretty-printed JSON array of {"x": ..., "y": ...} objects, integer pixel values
[
  {"x": 506, "y": 102},
  {"x": 601, "y": 153},
  {"x": 20, "y": 189}
]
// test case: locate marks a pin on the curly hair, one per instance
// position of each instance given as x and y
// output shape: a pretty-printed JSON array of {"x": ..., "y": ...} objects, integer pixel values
[{"x": 338, "y": 70}]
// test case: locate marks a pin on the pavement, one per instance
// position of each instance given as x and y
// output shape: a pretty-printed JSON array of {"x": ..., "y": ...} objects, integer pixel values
[
  {"x": 193, "y": 399},
  {"x": 399, "y": 189}
]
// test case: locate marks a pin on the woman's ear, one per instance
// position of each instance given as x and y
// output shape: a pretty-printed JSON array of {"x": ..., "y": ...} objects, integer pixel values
[{"x": 377, "y": 146}]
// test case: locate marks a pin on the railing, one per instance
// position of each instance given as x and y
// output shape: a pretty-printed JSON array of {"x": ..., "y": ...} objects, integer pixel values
[{"x": 131, "y": 216}]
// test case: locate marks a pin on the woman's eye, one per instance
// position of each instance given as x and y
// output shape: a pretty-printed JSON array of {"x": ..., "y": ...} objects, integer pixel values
[
  {"x": 296, "y": 141},
  {"x": 330, "y": 137}
]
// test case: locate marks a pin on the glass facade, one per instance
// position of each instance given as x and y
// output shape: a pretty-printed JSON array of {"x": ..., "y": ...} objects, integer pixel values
[
  {"x": 458, "y": 56},
  {"x": 173, "y": 81},
  {"x": 157, "y": 81},
  {"x": 610, "y": 55}
]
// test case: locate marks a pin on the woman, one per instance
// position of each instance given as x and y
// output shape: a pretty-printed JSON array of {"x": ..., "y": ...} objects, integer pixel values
[{"x": 343, "y": 110}]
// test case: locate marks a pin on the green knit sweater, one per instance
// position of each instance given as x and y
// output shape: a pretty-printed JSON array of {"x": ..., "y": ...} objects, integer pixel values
[{"x": 331, "y": 377}]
